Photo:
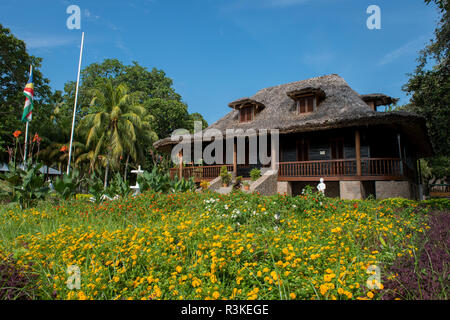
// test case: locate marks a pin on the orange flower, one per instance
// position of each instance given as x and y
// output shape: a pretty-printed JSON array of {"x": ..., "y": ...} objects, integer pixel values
[
  {"x": 36, "y": 138},
  {"x": 63, "y": 149},
  {"x": 17, "y": 133}
]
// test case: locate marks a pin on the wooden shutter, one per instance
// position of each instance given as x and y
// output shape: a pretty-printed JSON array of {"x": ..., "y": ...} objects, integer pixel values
[
  {"x": 310, "y": 103},
  {"x": 246, "y": 114},
  {"x": 306, "y": 104}
]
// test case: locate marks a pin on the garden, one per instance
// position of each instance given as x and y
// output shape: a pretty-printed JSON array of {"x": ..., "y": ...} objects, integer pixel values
[{"x": 202, "y": 245}]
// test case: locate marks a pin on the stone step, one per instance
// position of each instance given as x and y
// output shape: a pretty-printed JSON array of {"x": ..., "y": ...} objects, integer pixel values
[{"x": 224, "y": 190}]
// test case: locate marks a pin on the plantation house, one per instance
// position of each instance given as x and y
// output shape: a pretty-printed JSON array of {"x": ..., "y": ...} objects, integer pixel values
[{"x": 326, "y": 130}]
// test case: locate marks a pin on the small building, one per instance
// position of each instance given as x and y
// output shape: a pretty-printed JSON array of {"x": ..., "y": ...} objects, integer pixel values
[
  {"x": 326, "y": 130},
  {"x": 44, "y": 169}
]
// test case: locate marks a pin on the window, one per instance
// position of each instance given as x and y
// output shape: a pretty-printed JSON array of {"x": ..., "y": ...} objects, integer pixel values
[
  {"x": 306, "y": 104},
  {"x": 246, "y": 114}
]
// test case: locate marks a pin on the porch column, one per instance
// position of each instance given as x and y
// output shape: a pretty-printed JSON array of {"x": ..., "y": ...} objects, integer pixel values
[
  {"x": 180, "y": 169},
  {"x": 358, "y": 152},
  {"x": 234, "y": 157},
  {"x": 400, "y": 153},
  {"x": 274, "y": 155}
]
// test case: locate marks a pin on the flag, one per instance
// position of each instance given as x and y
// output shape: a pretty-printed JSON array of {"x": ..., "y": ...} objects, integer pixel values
[{"x": 29, "y": 94}]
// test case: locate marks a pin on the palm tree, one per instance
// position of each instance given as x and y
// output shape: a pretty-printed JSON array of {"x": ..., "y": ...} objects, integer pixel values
[{"x": 115, "y": 125}]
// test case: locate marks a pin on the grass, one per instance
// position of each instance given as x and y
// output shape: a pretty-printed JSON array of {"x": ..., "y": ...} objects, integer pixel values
[{"x": 210, "y": 246}]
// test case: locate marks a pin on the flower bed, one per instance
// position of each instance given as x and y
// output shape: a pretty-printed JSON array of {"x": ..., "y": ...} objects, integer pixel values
[{"x": 211, "y": 246}]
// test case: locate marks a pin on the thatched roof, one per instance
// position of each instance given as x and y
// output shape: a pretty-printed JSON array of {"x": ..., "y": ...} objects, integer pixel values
[
  {"x": 340, "y": 107},
  {"x": 379, "y": 99},
  {"x": 244, "y": 102}
]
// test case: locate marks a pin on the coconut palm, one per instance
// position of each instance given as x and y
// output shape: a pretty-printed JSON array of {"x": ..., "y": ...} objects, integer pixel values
[{"x": 115, "y": 125}]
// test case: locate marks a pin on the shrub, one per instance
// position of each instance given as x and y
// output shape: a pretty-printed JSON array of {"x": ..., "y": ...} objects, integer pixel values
[
  {"x": 24, "y": 187},
  {"x": 67, "y": 185},
  {"x": 204, "y": 184},
  {"x": 225, "y": 176},
  {"x": 255, "y": 174}
]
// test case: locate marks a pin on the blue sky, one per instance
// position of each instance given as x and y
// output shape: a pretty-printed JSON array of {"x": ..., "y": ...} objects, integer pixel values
[{"x": 217, "y": 51}]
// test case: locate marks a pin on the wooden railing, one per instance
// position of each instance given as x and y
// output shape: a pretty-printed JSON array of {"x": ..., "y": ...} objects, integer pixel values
[
  {"x": 386, "y": 167},
  {"x": 200, "y": 173},
  {"x": 440, "y": 190},
  {"x": 382, "y": 167},
  {"x": 389, "y": 167},
  {"x": 321, "y": 168}
]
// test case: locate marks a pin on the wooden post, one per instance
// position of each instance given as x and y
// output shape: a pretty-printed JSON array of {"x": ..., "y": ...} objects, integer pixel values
[
  {"x": 234, "y": 157},
  {"x": 358, "y": 152},
  {"x": 274, "y": 155},
  {"x": 180, "y": 173},
  {"x": 400, "y": 153}
]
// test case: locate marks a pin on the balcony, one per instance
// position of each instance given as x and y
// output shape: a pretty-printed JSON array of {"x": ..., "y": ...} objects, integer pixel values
[
  {"x": 331, "y": 170},
  {"x": 344, "y": 169}
]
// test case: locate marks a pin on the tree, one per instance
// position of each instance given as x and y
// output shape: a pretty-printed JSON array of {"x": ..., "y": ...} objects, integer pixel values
[
  {"x": 152, "y": 89},
  {"x": 430, "y": 90},
  {"x": 115, "y": 125},
  {"x": 14, "y": 70}
]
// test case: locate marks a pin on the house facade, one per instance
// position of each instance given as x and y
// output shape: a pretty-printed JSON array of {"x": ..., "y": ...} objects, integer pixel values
[{"x": 326, "y": 130}]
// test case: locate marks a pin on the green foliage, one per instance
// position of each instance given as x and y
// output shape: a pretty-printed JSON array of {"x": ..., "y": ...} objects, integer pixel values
[
  {"x": 24, "y": 187},
  {"x": 255, "y": 174},
  {"x": 118, "y": 186},
  {"x": 14, "y": 70},
  {"x": 182, "y": 185},
  {"x": 237, "y": 183},
  {"x": 430, "y": 87},
  {"x": 440, "y": 166},
  {"x": 95, "y": 188},
  {"x": 67, "y": 185},
  {"x": 154, "y": 180},
  {"x": 225, "y": 176},
  {"x": 158, "y": 181}
]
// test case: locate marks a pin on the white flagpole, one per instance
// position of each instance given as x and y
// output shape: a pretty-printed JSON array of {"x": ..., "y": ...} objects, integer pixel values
[
  {"x": 75, "y": 104},
  {"x": 26, "y": 135}
]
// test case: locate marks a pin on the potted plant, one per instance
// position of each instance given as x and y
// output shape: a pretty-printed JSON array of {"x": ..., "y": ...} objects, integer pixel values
[
  {"x": 255, "y": 174},
  {"x": 225, "y": 176},
  {"x": 204, "y": 184},
  {"x": 246, "y": 185},
  {"x": 237, "y": 183}
]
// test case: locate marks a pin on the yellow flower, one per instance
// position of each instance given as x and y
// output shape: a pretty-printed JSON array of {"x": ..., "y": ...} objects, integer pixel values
[
  {"x": 178, "y": 269},
  {"x": 216, "y": 295},
  {"x": 293, "y": 295},
  {"x": 370, "y": 294}
]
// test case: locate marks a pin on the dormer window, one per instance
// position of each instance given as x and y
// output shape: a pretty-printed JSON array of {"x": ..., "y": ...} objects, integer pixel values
[
  {"x": 246, "y": 114},
  {"x": 375, "y": 100},
  {"x": 307, "y": 99},
  {"x": 306, "y": 104}
]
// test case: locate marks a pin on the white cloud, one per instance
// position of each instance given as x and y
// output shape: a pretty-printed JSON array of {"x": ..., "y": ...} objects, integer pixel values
[
  {"x": 411, "y": 47},
  {"x": 40, "y": 42}
]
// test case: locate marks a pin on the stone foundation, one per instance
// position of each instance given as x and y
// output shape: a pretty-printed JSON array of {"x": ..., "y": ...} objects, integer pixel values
[
  {"x": 266, "y": 185},
  {"x": 284, "y": 187},
  {"x": 393, "y": 189},
  {"x": 351, "y": 190}
]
